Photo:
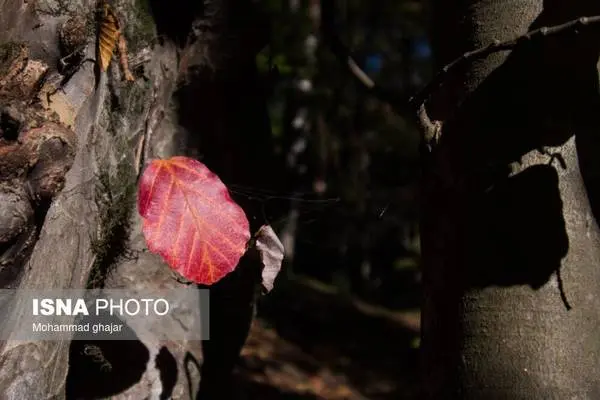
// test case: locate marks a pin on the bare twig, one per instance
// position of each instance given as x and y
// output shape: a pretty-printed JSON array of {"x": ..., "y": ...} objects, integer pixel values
[
  {"x": 337, "y": 47},
  {"x": 431, "y": 130},
  {"x": 360, "y": 74},
  {"x": 496, "y": 47}
]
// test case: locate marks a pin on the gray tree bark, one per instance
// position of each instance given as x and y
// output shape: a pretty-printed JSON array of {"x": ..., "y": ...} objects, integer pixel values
[
  {"x": 196, "y": 93},
  {"x": 511, "y": 245}
]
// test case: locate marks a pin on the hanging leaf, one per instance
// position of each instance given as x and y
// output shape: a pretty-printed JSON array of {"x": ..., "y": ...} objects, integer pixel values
[
  {"x": 271, "y": 253},
  {"x": 109, "y": 32},
  {"x": 190, "y": 219}
]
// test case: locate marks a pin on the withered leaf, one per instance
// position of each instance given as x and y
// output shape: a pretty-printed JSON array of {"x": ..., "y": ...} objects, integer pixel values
[
  {"x": 108, "y": 35},
  {"x": 271, "y": 253}
]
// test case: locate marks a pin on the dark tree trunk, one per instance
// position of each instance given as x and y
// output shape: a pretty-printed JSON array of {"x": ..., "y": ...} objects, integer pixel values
[
  {"x": 506, "y": 228},
  {"x": 222, "y": 109}
]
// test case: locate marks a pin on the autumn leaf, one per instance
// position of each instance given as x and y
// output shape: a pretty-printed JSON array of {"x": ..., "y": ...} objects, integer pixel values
[
  {"x": 109, "y": 32},
  {"x": 271, "y": 253},
  {"x": 190, "y": 219}
]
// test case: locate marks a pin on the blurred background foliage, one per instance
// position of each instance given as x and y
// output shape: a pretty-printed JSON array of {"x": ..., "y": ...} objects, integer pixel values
[
  {"x": 351, "y": 161},
  {"x": 343, "y": 320}
]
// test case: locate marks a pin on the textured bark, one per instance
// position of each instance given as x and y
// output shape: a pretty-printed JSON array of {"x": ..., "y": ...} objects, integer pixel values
[
  {"x": 501, "y": 218},
  {"x": 194, "y": 94}
]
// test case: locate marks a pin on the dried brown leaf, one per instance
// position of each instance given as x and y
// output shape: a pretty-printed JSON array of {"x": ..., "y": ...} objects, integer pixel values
[
  {"x": 271, "y": 253},
  {"x": 108, "y": 35}
]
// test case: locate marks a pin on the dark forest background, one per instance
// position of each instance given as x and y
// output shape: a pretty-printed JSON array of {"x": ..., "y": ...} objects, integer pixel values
[{"x": 343, "y": 321}]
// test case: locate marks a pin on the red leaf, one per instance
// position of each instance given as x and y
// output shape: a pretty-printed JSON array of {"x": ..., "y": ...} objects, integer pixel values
[{"x": 190, "y": 219}]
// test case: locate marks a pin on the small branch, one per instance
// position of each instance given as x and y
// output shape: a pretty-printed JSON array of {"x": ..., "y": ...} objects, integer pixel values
[
  {"x": 342, "y": 53},
  {"x": 431, "y": 130},
  {"x": 496, "y": 47},
  {"x": 360, "y": 74}
]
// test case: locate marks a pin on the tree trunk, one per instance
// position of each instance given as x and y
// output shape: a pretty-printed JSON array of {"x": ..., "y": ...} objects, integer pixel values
[
  {"x": 509, "y": 238},
  {"x": 196, "y": 92}
]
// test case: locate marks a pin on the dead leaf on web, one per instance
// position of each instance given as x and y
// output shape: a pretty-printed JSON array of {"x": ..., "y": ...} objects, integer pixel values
[{"x": 271, "y": 253}]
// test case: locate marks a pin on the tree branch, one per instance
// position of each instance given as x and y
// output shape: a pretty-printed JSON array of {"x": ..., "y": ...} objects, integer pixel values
[
  {"x": 495, "y": 47},
  {"x": 344, "y": 56},
  {"x": 431, "y": 130}
]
